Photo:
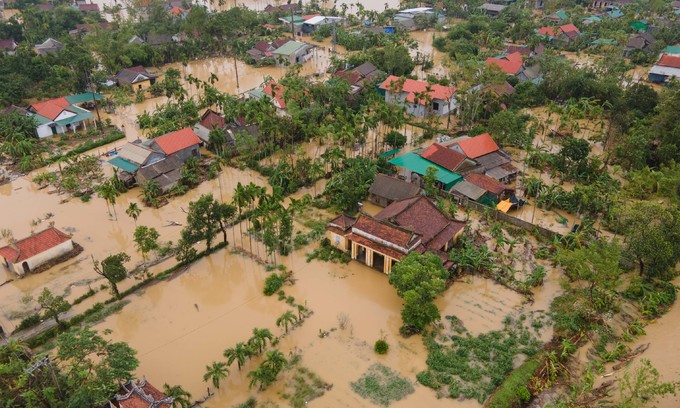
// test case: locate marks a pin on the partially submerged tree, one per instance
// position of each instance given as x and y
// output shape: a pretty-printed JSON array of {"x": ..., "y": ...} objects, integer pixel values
[
  {"x": 53, "y": 305},
  {"x": 146, "y": 240},
  {"x": 113, "y": 270}
]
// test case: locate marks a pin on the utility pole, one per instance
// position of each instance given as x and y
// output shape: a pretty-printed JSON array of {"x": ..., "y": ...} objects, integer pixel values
[
  {"x": 292, "y": 23},
  {"x": 96, "y": 107}
]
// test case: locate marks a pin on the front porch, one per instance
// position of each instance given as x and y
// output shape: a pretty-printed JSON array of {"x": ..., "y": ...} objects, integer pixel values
[{"x": 372, "y": 258}]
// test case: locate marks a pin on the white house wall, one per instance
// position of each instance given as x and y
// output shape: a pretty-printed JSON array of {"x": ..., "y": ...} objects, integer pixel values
[{"x": 41, "y": 258}]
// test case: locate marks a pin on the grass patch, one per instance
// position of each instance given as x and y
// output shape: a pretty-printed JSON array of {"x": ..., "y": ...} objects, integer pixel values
[
  {"x": 514, "y": 391},
  {"x": 472, "y": 367},
  {"x": 303, "y": 386},
  {"x": 382, "y": 385},
  {"x": 329, "y": 253}
]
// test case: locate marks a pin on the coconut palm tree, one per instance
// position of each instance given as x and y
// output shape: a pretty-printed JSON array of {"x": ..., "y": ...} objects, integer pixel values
[
  {"x": 181, "y": 396},
  {"x": 260, "y": 375},
  {"x": 133, "y": 212},
  {"x": 240, "y": 201},
  {"x": 259, "y": 339},
  {"x": 108, "y": 192},
  {"x": 286, "y": 319},
  {"x": 216, "y": 372},
  {"x": 240, "y": 353},
  {"x": 275, "y": 360}
]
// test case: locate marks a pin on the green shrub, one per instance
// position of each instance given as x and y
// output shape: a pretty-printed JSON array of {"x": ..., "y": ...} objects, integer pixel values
[
  {"x": 273, "y": 283},
  {"x": 30, "y": 321},
  {"x": 381, "y": 347}
]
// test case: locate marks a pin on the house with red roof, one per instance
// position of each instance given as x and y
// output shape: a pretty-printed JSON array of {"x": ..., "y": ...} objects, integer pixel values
[
  {"x": 492, "y": 160},
  {"x": 24, "y": 256},
  {"x": 667, "y": 68},
  {"x": 564, "y": 33},
  {"x": 140, "y": 394},
  {"x": 183, "y": 144},
  {"x": 8, "y": 46},
  {"x": 510, "y": 64},
  {"x": 272, "y": 91},
  {"x": 412, "y": 224},
  {"x": 420, "y": 98},
  {"x": 62, "y": 115}
]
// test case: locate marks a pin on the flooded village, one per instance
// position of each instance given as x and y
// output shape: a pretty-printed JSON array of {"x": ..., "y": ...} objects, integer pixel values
[{"x": 260, "y": 204}]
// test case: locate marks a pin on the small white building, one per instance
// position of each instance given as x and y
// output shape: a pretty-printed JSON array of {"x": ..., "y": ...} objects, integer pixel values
[
  {"x": 24, "y": 256},
  {"x": 420, "y": 98}
]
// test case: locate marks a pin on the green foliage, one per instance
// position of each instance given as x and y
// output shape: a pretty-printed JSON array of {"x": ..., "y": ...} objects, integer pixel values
[
  {"x": 306, "y": 386},
  {"x": 327, "y": 252},
  {"x": 146, "y": 239},
  {"x": 395, "y": 139},
  {"x": 268, "y": 370},
  {"x": 419, "y": 279},
  {"x": 513, "y": 391},
  {"x": 113, "y": 270},
  {"x": 206, "y": 217},
  {"x": 382, "y": 386},
  {"x": 28, "y": 322},
  {"x": 349, "y": 186},
  {"x": 509, "y": 128},
  {"x": 474, "y": 366},
  {"x": 52, "y": 305},
  {"x": 381, "y": 346},
  {"x": 643, "y": 386}
]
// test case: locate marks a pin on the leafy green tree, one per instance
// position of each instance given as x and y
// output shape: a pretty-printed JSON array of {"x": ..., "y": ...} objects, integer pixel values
[
  {"x": 419, "y": 279},
  {"x": 509, "y": 128},
  {"x": 430, "y": 179},
  {"x": 348, "y": 187},
  {"x": 92, "y": 366},
  {"x": 113, "y": 270},
  {"x": 151, "y": 190},
  {"x": 53, "y": 305},
  {"x": 652, "y": 237},
  {"x": 286, "y": 319},
  {"x": 146, "y": 240},
  {"x": 395, "y": 139},
  {"x": 239, "y": 353},
  {"x": 207, "y": 216},
  {"x": 642, "y": 386},
  {"x": 216, "y": 372}
]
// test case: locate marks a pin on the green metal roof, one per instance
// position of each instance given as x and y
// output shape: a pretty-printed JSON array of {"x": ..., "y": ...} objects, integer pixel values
[
  {"x": 417, "y": 164},
  {"x": 296, "y": 19},
  {"x": 41, "y": 120},
  {"x": 257, "y": 93},
  {"x": 84, "y": 97},
  {"x": 289, "y": 48},
  {"x": 124, "y": 164},
  {"x": 562, "y": 14},
  {"x": 81, "y": 114},
  {"x": 672, "y": 49},
  {"x": 389, "y": 153},
  {"x": 604, "y": 41},
  {"x": 639, "y": 25}
]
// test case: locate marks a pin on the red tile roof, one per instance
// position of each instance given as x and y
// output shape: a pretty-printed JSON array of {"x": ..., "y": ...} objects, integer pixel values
[
  {"x": 478, "y": 146},
  {"x": 547, "y": 31},
  {"x": 276, "y": 90},
  {"x": 142, "y": 395},
  {"x": 211, "y": 120},
  {"x": 487, "y": 183},
  {"x": 391, "y": 252},
  {"x": 568, "y": 28},
  {"x": 88, "y": 7},
  {"x": 384, "y": 231},
  {"x": 443, "y": 156},
  {"x": 413, "y": 87},
  {"x": 417, "y": 214},
  {"x": 52, "y": 108},
  {"x": 176, "y": 141},
  {"x": 445, "y": 235},
  {"x": 669, "y": 61},
  {"x": 33, "y": 245},
  {"x": 510, "y": 64}
]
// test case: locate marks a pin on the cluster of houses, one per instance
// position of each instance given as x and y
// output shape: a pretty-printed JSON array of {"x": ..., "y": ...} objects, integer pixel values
[
  {"x": 159, "y": 159},
  {"x": 665, "y": 69}
]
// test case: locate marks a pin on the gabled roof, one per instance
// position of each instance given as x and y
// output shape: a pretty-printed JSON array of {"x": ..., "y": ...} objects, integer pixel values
[
  {"x": 212, "y": 120},
  {"x": 567, "y": 28},
  {"x": 393, "y": 234},
  {"x": 417, "y": 164},
  {"x": 290, "y": 48},
  {"x": 487, "y": 183},
  {"x": 133, "y": 75},
  {"x": 135, "y": 153},
  {"x": 50, "y": 43},
  {"x": 443, "y": 156},
  {"x": 511, "y": 64},
  {"x": 469, "y": 190},
  {"x": 8, "y": 45},
  {"x": 549, "y": 31},
  {"x": 276, "y": 90},
  {"x": 669, "y": 61},
  {"x": 478, "y": 146},
  {"x": 421, "y": 216},
  {"x": 141, "y": 394},
  {"x": 413, "y": 87},
  {"x": 393, "y": 188},
  {"x": 33, "y": 245},
  {"x": 173, "y": 142}
]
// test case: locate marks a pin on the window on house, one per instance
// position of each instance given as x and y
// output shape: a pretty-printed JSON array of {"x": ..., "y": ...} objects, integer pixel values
[
  {"x": 435, "y": 106},
  {"x": 139, "y": 87}
]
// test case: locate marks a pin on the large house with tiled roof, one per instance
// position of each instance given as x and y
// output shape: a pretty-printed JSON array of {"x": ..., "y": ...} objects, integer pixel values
[
  {"x": 485, "y": 152},
  {"x": 420, "y": 98},
  {"x": 412, "y": 224},
  {"x": 510, "y": 64},
  {"x": 62, "y": 115},
  {"x": 23, "y": 256},
  {"x": 140, "y": 394}
]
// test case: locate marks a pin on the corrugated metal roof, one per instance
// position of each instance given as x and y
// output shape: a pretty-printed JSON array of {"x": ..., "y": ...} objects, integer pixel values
[
  {"x": 665, "y": 71},
  {"x": 135, "y": 153},
  {"x": 81, "y": 115},
  {"x": 123, "y": 164},
  {"x": 84, "y": 97},
  {"x": 290, "y": 48},
  {"x": 469, "y": 190},
  {"x": 419, "y": 165}
]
